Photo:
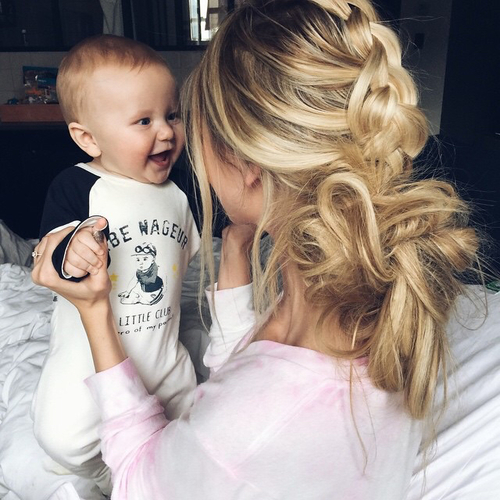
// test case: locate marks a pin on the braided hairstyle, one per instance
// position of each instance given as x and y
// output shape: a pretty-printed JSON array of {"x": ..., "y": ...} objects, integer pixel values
[{"x": 314, "y": 93}]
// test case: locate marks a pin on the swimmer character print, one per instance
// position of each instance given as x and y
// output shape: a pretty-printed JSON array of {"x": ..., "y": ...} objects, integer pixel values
[{"x": 147, "y": 287}]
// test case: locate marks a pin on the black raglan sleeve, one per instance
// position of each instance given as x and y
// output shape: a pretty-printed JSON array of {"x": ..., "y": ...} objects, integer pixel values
[{"x": 67, "y": 202}]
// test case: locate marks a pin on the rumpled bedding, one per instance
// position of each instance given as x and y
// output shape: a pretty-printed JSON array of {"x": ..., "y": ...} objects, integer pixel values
[
  {"x": 464, "y": 462},
  {"x": 25, "y": 311},
  {"x": 13, "y": 248}
]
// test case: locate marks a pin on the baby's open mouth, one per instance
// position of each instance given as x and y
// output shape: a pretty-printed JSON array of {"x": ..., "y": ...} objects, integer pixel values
[{"x": 159, "y": 158}]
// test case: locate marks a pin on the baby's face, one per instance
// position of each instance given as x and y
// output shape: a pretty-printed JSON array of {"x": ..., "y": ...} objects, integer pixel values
[{"x": 133, "y": 116}]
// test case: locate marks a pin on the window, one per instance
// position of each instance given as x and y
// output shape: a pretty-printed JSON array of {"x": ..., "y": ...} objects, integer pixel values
[
  {"x": 204, "y": 18},
  {"x": 179, "y": 24}
]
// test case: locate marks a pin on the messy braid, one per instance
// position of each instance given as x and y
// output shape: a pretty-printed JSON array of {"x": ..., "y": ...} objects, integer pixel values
[{"x": 315, "y": 94}]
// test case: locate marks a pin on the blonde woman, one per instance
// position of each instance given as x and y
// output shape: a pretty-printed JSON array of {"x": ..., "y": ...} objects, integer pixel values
[{"x": 324, "y": 362}]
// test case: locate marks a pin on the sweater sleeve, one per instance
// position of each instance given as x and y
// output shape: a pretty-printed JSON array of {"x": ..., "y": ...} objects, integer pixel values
[
  {"x": 149, "y": 456},
  {"x": 132, "y": 420},
  {"x": 233, "y": 318}
]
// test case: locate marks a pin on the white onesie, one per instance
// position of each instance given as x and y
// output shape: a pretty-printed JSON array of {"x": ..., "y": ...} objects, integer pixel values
[{"x": 152, "y": 238}]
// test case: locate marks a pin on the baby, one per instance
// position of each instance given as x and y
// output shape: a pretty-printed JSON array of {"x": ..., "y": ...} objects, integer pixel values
[{"x": 120, "y": 102}]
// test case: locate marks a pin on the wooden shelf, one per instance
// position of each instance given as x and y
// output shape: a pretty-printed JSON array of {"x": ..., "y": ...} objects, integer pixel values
[{"x": 31, "y": 113}]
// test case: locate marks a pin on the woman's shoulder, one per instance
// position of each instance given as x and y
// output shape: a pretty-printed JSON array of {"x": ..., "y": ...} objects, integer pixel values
[
  {"x": 267, "y": 379},
  {"x": 270, "y": 399},
  {"x": 287, "y": 374},
  {"x": 295, "y": 364},
  {"x": 267, "y": 385}
]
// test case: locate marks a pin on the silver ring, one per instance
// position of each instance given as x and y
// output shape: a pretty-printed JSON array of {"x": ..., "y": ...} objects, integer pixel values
[{"x": 35, "y": 254}]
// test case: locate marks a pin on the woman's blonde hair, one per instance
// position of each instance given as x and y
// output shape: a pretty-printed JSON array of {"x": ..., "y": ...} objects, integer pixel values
[{"x": 313, "y": 92}]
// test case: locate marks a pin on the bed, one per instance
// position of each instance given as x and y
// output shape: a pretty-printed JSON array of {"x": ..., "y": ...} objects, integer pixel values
[{"x": 464, "y": 462}]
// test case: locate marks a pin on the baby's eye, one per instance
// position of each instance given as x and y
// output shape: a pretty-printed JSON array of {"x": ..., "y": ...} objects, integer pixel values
[
  {"x": 144, "y": 121},
  {"x": 173, "y": 117}
]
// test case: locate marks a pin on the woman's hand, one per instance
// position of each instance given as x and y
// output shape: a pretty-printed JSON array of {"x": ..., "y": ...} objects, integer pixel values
[
  {"x": 85, "y": 294},
  {"x": 90, "y": 296},
  {"x": 234, "y": 268}
]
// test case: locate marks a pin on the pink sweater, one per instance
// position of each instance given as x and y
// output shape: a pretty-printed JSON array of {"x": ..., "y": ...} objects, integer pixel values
[{"x": 273, "y": 422}]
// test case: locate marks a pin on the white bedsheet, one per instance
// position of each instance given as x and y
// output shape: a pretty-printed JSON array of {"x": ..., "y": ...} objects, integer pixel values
[
  {"x": 25, "y": 311},
  {"x": 465, "y": 463}
]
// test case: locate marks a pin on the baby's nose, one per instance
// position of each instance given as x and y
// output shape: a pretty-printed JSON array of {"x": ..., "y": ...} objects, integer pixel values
[{"x": 166, "y": 132}]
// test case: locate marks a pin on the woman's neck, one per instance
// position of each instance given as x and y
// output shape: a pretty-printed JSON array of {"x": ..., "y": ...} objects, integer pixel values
[{"x": 295, "y": 321}]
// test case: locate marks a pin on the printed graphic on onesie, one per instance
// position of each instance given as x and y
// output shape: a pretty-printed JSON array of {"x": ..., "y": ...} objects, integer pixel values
[
  {"x": 147, "y": 287},
  {"x": 148, "y": 260}
]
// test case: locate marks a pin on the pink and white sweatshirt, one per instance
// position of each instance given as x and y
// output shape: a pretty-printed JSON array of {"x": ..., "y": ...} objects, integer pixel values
[{"x": 273, "y": 422}]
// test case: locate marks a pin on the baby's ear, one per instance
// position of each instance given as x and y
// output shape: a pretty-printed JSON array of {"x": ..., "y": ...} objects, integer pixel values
[{"x": 84, "y": 138}]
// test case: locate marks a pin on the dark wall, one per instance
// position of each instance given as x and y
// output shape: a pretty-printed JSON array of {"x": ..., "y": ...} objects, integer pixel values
[
  {"x": 470, "y": 121},
  {"x": 388, "y": 9},
  {"x": 472, "y": 85},
  {"x": 29, "y": 160}
]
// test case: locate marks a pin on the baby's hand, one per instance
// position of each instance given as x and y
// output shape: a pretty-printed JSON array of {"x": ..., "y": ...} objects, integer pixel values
[{"x": 82, "y": 254}]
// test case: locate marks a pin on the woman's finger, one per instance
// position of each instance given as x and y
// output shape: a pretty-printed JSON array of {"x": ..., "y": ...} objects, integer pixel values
[
  {"x": 50, "y": 241},
  {"x": 42, "y": 258}
]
